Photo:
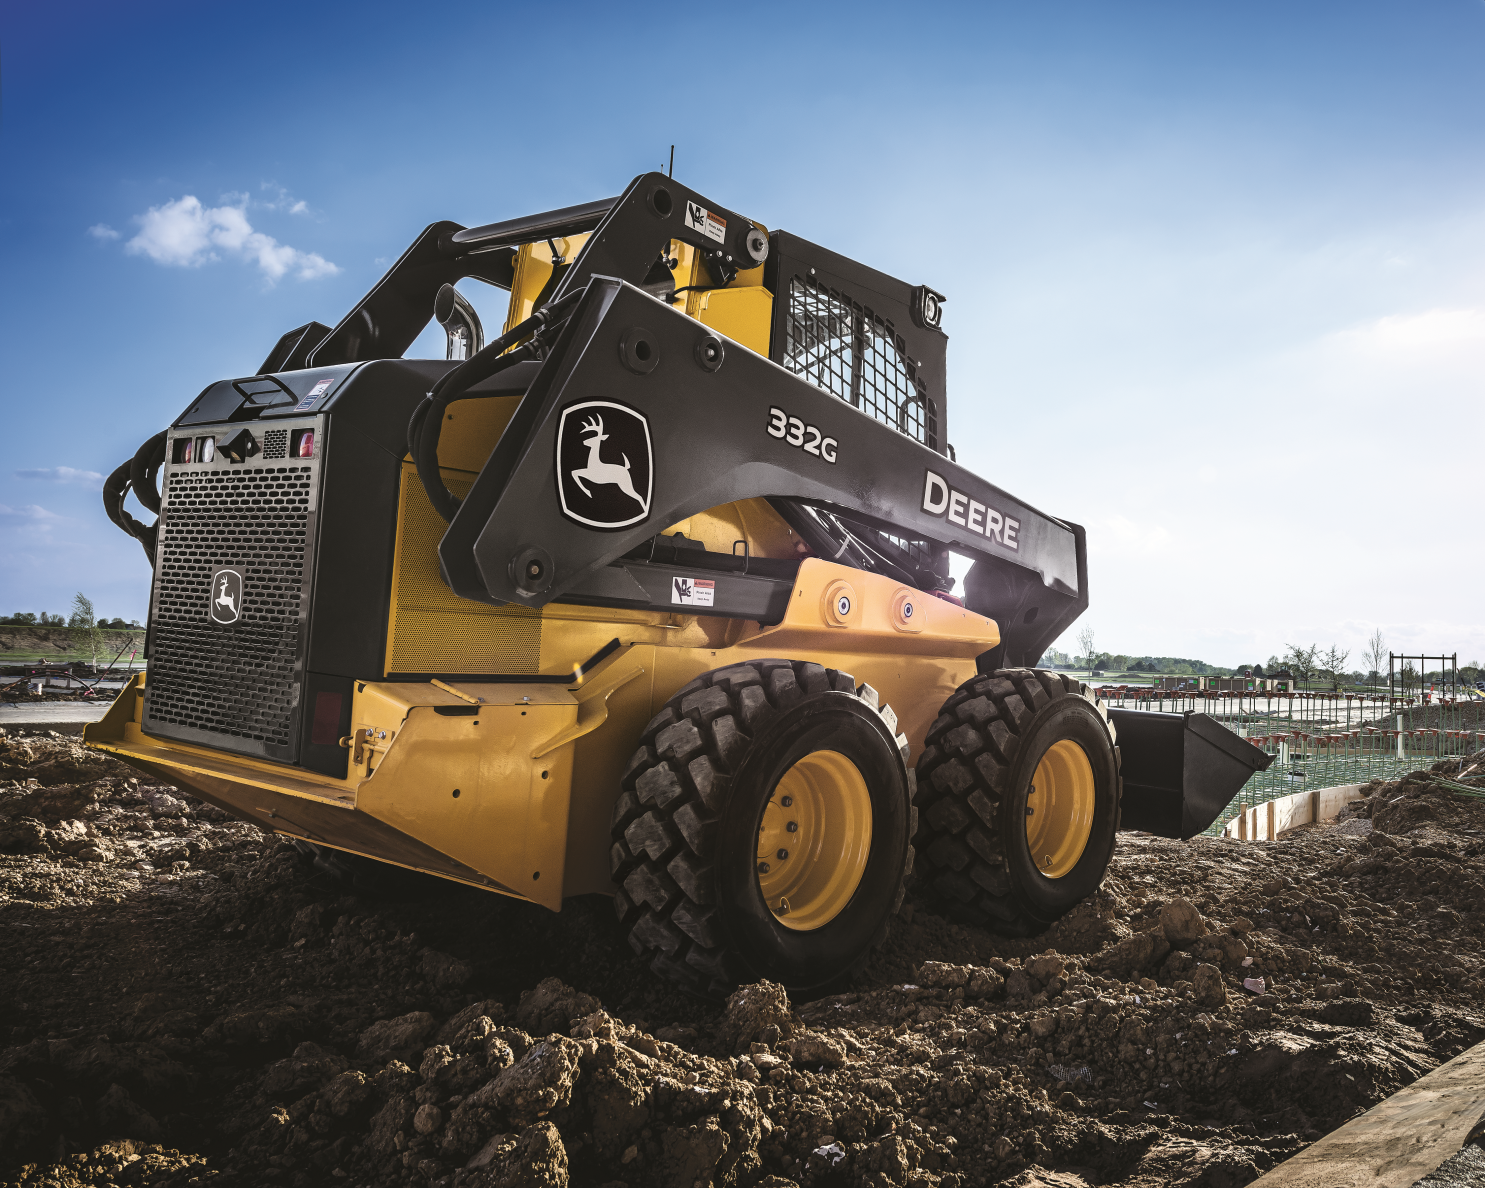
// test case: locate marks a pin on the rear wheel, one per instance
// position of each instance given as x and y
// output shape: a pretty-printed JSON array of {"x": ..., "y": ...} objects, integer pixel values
[
  {"x": 1018, "y": 793},
  {"x": 764, "y": 828}
]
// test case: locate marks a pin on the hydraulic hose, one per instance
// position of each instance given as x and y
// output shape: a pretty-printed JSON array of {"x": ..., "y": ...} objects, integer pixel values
[
  {"x": 143, "y": 468},
  {"x": 426, "y": 423},
  {"x": 138, "y": 475}
]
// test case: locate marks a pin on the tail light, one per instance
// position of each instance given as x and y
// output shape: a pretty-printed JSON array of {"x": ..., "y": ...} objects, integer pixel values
[
  {"x": 206, "y": 449},
  {"x": 304, "y": 443}
]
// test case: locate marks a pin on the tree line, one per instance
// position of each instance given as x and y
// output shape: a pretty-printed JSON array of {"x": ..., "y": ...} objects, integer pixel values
[{"x": 1306, "y": 663}]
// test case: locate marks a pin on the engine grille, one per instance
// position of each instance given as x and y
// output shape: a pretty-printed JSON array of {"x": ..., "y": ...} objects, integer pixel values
[
  {"x": 841, "y": 346},
  {"x": 234, "y": 686}
]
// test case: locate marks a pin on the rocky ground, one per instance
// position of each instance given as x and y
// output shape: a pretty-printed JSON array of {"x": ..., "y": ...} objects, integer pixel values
[{"x": 185, "y": 1000}]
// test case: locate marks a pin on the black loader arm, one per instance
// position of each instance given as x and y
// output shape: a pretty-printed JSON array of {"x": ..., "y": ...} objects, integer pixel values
[{"x": 641, "y": 417}]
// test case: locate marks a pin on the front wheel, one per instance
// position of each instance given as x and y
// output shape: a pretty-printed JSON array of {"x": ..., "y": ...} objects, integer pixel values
[
  {"x": 1018, "y": 791},
  {"x": 764, "y": 829}
]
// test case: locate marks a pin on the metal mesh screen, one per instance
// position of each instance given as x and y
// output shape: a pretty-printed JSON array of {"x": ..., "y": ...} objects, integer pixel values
[
  {"x": 237, "y": 683},
  {"x": 844, "y": 348},
  {"x": 276, "y": 444}
]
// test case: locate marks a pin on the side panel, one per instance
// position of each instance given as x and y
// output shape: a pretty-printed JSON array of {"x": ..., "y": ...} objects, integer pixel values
[
  {"x": 431, "y": 630},
  {"x": 468, "y": 785}
]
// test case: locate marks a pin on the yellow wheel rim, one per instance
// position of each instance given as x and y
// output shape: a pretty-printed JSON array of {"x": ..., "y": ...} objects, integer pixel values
[
  {"x": 1059, "y": 808},
  {"x": 814, "y": 840}
]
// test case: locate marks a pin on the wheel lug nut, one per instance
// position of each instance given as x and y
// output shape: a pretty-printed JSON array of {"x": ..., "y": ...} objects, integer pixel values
[
  {"x": 1030, "y": 811},
  {"x": 764, "y": 868},
  {"x": 783, "y": 854},
  {"x": 792, "y": 826},
  {"x": 787, "y": 801}
]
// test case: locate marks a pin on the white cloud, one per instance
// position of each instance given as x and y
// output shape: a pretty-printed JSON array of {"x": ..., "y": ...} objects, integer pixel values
[
  {"x": 31, "y": 516},
  {"x": 64, "y": 474},
  {"x": 102, "y": 231},
  {"x": 281, "y": 200},
  {"x": 186, "y": 234},
  {"x": 1409, "y": 332}
]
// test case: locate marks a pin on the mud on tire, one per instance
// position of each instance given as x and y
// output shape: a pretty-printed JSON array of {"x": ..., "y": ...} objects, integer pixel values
[
  {"x": 687, "y": 823},
  {"x": 974, "y": 777}
]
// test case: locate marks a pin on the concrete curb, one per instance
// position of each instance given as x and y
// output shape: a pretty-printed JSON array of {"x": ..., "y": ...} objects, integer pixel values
[
  {"x": 63, "y": 717},
  {"x": 1264, "y": 822},
  {"x": 1398, "y": 1141}
]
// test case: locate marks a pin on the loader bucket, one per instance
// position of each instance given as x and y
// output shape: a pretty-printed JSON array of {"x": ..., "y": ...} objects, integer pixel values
[{"x": 1180, "y": 770}]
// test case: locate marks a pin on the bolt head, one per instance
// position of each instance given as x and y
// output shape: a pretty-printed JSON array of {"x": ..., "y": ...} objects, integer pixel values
[{"x": 783, "y": 854}]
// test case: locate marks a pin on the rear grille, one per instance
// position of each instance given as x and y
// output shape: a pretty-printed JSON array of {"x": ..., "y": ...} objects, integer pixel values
[
  {"x": 235, "y": 686},
  {"x": 841, "y": 346},
  {"x": 276, "y": 444}
]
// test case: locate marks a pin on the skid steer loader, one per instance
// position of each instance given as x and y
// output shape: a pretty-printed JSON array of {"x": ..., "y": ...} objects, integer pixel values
[{"x": 649, "y": 595}]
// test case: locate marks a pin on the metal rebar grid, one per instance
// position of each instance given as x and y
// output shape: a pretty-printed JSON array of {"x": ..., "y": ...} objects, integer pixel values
[{"x": 1322, "y": 740}]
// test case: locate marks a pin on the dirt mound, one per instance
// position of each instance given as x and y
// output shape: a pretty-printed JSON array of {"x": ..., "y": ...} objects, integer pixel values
[{"x": 189, "y": 1000}]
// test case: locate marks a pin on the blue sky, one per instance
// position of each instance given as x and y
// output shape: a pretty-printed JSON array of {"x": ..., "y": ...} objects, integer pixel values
[{"x": 1216, "y": 273}]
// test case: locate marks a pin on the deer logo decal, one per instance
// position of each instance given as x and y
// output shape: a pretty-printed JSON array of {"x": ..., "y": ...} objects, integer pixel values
[
  {"x": 605, "y": 464},
  {"x": 226, "y": 596}
]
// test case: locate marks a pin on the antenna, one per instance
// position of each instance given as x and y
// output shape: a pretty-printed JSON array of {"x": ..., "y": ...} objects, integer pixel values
[{"x": 671, "y": 171}]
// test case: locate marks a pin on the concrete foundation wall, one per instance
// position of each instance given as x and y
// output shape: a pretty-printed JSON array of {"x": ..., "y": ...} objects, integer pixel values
[{"x": 1264, "y": 822}]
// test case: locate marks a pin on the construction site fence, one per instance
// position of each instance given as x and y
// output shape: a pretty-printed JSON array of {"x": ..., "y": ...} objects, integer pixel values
[{"x": 1319, "y": 740}]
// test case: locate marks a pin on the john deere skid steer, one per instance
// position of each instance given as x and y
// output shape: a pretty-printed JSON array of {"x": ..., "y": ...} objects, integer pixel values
[{"x": 649, "y": 595}]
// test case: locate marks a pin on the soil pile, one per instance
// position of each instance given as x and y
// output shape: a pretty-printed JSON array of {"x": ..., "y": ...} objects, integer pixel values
[{"x": 188, "y": 1000}]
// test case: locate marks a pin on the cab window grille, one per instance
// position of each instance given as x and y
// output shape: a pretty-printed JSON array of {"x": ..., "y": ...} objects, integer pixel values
[
  {"x": 850, "y": 352},
  {"x": 235, "y": 685}
]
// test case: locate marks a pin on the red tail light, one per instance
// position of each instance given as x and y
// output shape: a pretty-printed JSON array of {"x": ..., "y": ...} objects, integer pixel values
[{"x": 304, "y": 443}]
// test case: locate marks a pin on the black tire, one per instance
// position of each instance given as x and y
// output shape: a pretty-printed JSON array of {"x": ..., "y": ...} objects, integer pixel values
[
  {"x": 687, "y": 823},
  {"x": 974, "y": 777}
]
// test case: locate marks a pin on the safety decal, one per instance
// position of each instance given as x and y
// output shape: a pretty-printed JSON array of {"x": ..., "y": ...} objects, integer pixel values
[
  {"x": 605, "y": 466},
  {"x": 693, "y": 591},
  {"x": 226, "y": 597},
  {"x": 713, "y": 226},
  {"x": 315, "y": 393}
]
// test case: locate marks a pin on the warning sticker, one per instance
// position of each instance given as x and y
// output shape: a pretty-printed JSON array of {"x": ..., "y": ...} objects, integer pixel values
[
  {"x": 314, "y": 394},
  {"x": 692, "y": 592},
  {"x": 698, "y": 218}
]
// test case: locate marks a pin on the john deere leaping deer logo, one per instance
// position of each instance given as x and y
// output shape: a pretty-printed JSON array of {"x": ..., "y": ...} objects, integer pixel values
[
  {"x": 605, "y": 465},
  {"x": 226, "y": 596}
]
